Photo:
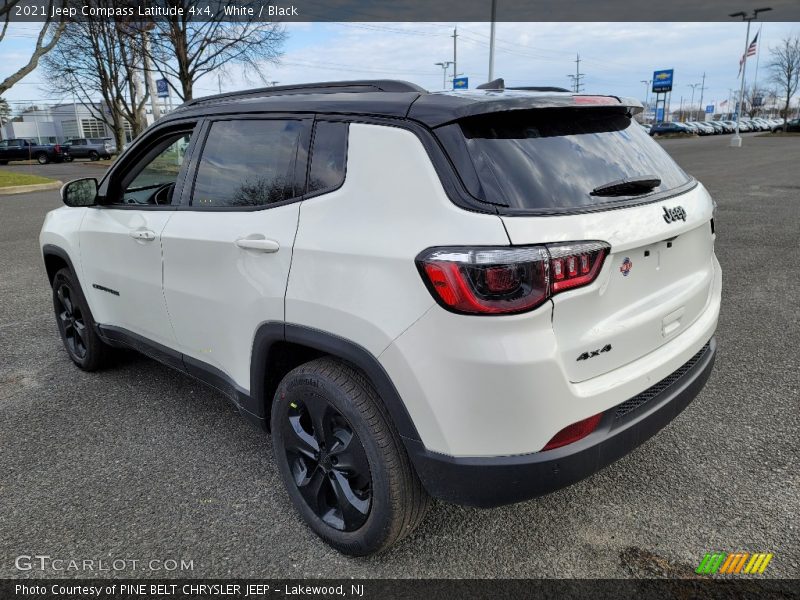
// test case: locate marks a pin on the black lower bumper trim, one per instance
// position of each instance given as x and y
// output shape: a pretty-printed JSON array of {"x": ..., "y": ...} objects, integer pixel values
[{"x": 494, "y": 481}]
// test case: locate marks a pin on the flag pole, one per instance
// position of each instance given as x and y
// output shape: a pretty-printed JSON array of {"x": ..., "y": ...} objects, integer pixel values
[
  {"x": 736, "y": 141},
  {"x": 758, "y": 58}
]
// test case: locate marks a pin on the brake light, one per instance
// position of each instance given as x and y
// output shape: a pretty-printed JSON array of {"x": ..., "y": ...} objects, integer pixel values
[
  {"x": 579, "y": 263},
  {"x": 57, "y": 149},
  {"x": 506, "y": 280},
  {"x": 573, "y": 433},
  {"x": 600, "y": 100},
  {"x": 486, "y": 280}
]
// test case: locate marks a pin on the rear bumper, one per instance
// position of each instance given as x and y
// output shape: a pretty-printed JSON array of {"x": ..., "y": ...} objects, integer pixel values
[{"x": 494, "y": 481}]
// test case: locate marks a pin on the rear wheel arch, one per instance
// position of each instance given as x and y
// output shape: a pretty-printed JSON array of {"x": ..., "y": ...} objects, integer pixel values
[{"x": 278, "y": 348}]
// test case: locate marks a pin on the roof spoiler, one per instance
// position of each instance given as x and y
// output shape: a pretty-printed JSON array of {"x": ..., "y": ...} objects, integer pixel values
[{"x": 496, "y": 84}]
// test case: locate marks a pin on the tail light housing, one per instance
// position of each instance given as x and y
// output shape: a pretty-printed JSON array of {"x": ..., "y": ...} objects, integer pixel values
[{"x": 507, "y": 280}]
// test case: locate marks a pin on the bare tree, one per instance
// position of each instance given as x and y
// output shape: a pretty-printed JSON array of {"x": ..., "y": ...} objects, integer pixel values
[
  {"x": 45, "y": 41},
  {"x": 785, "y": 70},
  {"x": 97, "y": 59},
  {"x": 185, "y": 50},
  {"x": 5, "y": 111}
]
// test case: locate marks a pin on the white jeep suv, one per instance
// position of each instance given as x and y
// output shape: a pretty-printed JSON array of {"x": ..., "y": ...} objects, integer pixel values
[{"x": 479, "y": 296}]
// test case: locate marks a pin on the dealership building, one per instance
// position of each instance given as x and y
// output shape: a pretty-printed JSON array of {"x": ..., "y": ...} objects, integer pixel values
[{"x": 60, "y": 122}]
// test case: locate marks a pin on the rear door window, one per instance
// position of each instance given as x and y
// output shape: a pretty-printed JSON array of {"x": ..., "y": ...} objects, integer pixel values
[
  {"x": 553, "y": 159},
  {"x": 249, "y": 163}
]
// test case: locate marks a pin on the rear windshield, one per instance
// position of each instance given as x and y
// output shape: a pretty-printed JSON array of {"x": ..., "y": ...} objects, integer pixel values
[{"x": 552, "y": 159}]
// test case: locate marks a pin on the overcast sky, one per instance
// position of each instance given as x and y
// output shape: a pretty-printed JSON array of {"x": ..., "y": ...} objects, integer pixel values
[{"x": 615, "y": 57}]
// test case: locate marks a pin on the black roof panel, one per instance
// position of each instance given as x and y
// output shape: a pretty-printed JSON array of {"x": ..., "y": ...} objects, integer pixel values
[{"x": 387, "y": 98}]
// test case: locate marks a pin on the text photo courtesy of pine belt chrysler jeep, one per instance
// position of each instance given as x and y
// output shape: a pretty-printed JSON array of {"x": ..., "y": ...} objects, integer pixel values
[{"x": 479, "y": 296}]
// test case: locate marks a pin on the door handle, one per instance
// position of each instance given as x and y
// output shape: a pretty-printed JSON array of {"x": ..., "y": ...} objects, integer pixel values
[
  {"x": 260, "y": 244},
  {"x": 143, "y": 234}
]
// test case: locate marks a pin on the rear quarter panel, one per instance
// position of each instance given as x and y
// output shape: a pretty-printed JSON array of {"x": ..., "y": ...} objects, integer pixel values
[{"x": 353, "y": 272}]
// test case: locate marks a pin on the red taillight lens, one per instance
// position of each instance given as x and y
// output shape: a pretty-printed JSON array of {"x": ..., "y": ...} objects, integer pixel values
[
  {"x": 573, "y": 433},
  {"x": 486, "y": 280},
  {"x": 578, "y": 262},
  {"x": 508, "y": 280},
  {"x": 57, "y": 149}
]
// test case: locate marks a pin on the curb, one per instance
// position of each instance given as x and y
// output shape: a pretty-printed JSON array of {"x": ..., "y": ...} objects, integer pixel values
[{"x": 34, "y": 187}]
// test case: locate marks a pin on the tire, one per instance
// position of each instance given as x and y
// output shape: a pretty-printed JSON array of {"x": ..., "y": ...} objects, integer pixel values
[
  {"x": 76, "y": 325},
  {"x": 370, "y": 465},
  {"x": 69, "y": 158},
  {"x": 42, "y": 158},
  {"x": 94, "y": 155}
]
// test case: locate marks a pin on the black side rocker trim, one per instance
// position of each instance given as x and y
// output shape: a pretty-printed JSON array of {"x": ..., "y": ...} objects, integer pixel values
[
  {"x": 254, "y": 405},
  {"x": 493, "y": 481}
]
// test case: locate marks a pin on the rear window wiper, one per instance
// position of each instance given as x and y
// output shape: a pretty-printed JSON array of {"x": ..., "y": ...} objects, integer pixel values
[{"x": 627, "y": 187}]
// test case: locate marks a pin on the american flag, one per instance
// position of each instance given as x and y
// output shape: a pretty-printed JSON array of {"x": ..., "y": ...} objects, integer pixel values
[{"x": 751, "y": 51}]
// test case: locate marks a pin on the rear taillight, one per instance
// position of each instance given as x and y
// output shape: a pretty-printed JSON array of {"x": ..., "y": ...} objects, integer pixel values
[
  {"x": 574, "y": 265},
  {"x": 573, "y": 433},
  {"x": 486, "y": 280},
  {"x": 491, "y": 281},
  {"x": 57, "y": 149}
]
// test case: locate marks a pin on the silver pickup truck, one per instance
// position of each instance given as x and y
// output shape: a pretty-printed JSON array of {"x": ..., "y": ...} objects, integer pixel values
[{"x": 91, "y": 148}]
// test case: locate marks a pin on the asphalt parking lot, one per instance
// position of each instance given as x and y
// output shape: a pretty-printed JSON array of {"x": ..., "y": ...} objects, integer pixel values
[{"x": 139, "y": 462}]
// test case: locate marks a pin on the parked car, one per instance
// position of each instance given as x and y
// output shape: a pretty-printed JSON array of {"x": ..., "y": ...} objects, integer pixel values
[
  {"x": 29, "y": 149},
  {"x": 665, "y": 128},
  {"x": 791, "y": 126},
  {"x": 91, "y": 148},
  {"x": 375, "y": 274}
]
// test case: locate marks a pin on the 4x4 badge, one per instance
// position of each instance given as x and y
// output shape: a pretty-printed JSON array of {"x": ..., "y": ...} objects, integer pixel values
[
  {"x": 593, "y": 353},
  {"x": 673, "y": 214}
]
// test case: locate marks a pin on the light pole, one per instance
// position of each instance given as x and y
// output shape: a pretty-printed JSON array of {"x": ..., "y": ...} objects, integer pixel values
[
  {"x": 736, "y": 141},
  {"x": 691, "y": 103},
  {"x": 646, "y": 83},
  {"x": 445, "y": 65},
  {"x": 491, "y": 41}
]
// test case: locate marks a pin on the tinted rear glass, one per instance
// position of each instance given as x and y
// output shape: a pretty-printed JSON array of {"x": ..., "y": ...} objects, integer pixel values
[{"x": 554, "y": 158}]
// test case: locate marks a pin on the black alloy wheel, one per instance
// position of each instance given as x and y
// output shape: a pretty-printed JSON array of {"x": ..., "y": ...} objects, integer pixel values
[
  {"x": 76, "y": 324},
  {"x": 328, "y": 463},
  {"x": 344, "y": 466},
  {"x": 71, "y": 322}
]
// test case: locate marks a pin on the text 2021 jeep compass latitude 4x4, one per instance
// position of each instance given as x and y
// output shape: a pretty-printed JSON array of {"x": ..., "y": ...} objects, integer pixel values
[{"x": 478, "y": 296}]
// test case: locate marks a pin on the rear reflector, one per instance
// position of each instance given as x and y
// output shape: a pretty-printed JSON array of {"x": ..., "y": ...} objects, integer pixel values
[
  {"x": 573, "y": 433},
  {"x": 507, "y": 280}
]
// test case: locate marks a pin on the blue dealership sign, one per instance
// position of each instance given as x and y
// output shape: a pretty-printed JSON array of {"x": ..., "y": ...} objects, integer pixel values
[
  {"x": 461, "y": 83},
  {"x": 162, "y": 88},
  {"x": 709, "y": 109},
  {"x": 662, "y": 81},
  {"x": 660, "y": 114}
]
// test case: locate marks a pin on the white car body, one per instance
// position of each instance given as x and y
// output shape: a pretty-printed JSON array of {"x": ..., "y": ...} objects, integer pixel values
[{"x": 343, "y": 263}]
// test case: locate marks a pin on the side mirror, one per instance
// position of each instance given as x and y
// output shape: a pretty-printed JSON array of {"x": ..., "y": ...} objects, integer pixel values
[{"x": 81, "y": 192}]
